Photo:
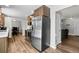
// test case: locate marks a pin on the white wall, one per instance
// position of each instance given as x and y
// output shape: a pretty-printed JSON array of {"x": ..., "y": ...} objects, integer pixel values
[
  {"x": 23, "y": 27},
  {"x": 58, "y": 28},
  {"x": 8, "y": 24},
  {"x": 73, "y": 25},
  {"x": 17, "y": 23}
]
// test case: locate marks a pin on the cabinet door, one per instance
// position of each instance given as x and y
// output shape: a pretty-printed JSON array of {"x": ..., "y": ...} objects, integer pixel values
[
  {"x": 1, "y": 20},
  {"x": 3, "y": 45},
  {"x": 42, "y": 11},
  {"x": 46, "y": 11}
]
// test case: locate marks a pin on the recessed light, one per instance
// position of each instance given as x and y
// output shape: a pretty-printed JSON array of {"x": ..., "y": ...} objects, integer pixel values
[
  {"x": 70, "y": 18},
  {"x": 14, "y": 20}
]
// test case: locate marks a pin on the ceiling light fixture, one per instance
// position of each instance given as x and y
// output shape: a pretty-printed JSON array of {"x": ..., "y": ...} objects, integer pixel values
[
  {"x": 70, "y": 18},
  {"x": 14, "y": 20}
]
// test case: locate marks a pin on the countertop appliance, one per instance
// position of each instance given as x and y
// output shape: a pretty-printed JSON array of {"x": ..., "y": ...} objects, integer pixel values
[{"x": 40, "y": 36}]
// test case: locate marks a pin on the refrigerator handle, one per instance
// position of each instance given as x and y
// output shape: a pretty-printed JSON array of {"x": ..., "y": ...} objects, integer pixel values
[{"x": 32, "y": 27}]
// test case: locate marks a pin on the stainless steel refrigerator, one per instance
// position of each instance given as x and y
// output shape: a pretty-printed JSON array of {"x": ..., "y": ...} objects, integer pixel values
[{"x": 40, "y": 35}]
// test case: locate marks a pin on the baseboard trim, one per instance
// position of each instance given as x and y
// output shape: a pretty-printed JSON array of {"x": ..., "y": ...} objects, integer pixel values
[
  {"x": 54, "y": 47},
  {"x": 73, "y": 35}
]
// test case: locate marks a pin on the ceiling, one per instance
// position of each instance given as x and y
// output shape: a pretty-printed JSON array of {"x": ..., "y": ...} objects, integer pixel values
[
  {"x": 70, "y": 12},
  {"x": 20, "y": 11},
  {"x": 25, "y": 9}
]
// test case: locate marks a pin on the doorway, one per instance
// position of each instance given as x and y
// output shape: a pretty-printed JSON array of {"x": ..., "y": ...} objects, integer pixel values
[{"x": 67, "y": 29}]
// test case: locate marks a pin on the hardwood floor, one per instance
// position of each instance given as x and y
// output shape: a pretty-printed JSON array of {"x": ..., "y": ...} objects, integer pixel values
[
  {"x": 19, "y": 44},
  {"x": 70, "y": 45}
]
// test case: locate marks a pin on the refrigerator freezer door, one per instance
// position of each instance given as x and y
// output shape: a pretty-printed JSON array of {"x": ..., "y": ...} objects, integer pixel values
[{"x": 36, "y": 42}]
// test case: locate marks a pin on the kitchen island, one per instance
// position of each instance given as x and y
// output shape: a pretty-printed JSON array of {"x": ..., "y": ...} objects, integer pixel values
[{"x": 4, "y": 41}]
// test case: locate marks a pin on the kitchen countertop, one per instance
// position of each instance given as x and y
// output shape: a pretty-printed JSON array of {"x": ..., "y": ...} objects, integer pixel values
[
  {"x": 29, "y": 28},
  {"x": 3, "y": 33}
]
